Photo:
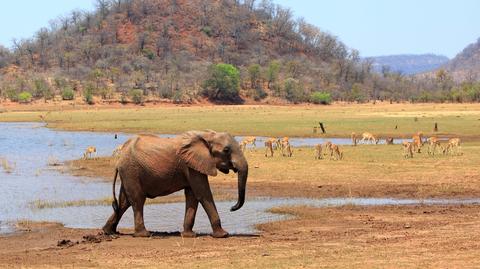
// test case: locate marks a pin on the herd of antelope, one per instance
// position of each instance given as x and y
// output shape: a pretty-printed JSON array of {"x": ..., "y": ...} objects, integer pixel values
[
  {"x": 450, "y": 146},
  {"x": 435, "y": 145},
  {"x": 283, "y": 144}
]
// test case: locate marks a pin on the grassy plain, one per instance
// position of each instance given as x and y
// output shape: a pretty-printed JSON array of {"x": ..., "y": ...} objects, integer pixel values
[{"x": 397, "y": 120}]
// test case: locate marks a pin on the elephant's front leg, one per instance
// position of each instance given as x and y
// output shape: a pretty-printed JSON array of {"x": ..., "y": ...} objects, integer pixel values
[
  {"x": 201, "y": 189},
  {"x": 191, "y": 205}
]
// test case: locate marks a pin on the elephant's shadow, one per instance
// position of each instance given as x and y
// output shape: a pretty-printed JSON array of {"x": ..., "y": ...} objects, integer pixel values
[{"x": 156, "y": 234}]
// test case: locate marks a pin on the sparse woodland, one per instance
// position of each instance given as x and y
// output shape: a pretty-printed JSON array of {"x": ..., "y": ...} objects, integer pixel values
[{"x": 226, "y": 51}]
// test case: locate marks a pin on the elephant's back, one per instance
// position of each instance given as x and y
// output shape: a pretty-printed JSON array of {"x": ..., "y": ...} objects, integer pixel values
[{"x": 154, "y": 154}]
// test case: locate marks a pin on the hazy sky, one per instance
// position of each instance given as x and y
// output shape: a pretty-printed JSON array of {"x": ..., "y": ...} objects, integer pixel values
[{"x": 374, "y": 27}]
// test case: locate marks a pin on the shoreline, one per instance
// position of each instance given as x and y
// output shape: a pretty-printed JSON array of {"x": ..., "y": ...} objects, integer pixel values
[{"x": 360, "y": 236}]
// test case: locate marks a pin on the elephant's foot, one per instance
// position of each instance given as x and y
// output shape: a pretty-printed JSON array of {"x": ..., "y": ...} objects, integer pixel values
[
  {"x": 109, "y": 230},
  {"x": 220, "y": 233},
  {"x": 189, "y": 234},
  {"x": 143, "y": 233}
]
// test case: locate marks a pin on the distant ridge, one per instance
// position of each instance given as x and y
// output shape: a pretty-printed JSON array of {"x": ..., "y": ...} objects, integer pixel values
[{"x": 408, "y": 64}]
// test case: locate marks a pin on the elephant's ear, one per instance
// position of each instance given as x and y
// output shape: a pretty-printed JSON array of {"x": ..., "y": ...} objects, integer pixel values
[{"x": 195, "y": 152}]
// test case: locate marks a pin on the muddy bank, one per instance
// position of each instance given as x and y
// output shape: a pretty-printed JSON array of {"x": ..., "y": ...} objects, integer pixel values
[{"x": 362, "y": 237}]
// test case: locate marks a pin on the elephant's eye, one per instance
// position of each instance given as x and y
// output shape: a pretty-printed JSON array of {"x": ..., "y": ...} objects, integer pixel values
[{"x": 227, "y": 149}]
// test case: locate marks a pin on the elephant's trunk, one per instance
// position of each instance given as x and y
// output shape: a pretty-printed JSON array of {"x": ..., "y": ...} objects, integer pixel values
[{"x": 241, "y": 165}]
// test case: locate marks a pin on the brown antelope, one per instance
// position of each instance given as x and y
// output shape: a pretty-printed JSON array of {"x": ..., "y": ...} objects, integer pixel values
[
  {"x": 268, "y": 147},
  {"x": 246, "y": 141},
  {"x": 286, "y": 149},
  {"x": 407, "y": 149},
  {"x": 433, "y": 143},
  {"x": 389, "y": 141},
  {"x": 354, "y": 138},
  {"x": 89, "y": 151},
  {"x": 335, "y": 152},
  {"x": 318, "y": 152},
  {"x": 452, "y": 146},
  {"x": 417, "y": 141},
  {"x": 326, "y": 146},
  {"x": 275, "y": 142},
  {"x": 369, "y": 137}
]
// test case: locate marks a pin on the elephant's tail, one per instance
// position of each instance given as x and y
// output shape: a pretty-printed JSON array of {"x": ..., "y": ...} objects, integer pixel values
[{"x": 115, "y": 202}]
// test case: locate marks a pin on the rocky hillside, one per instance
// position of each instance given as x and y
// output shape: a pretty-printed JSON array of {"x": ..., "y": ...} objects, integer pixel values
[
  {"x": 165, "y": 48},
  {"x": 408, "y": 64},
  {"x": 466, "y": 65}
]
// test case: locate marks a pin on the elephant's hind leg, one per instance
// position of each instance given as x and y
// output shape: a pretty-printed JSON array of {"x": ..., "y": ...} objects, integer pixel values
[
  {"x": 111, "y": 226},
  {"x": 191, "y": 205}
]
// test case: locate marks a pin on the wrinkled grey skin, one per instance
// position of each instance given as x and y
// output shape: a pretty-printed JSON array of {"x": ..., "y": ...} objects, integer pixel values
[{"x": 150, "y": 166}]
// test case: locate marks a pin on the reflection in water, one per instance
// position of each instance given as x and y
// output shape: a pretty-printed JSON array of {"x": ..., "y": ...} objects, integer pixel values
[{"x": 31, "y": 147}]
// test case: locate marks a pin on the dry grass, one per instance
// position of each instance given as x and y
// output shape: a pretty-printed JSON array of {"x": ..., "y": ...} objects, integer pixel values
[{"x": 340, "y": 120}]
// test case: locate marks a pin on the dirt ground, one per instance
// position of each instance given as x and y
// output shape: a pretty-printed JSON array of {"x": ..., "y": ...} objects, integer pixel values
[{"x": 345, "y": 237}]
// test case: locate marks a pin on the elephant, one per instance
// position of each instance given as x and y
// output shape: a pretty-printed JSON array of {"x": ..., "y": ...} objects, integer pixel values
[{"x": 150, "y": 166}]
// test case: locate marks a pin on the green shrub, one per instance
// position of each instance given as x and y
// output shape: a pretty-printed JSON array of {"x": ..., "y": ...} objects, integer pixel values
[
  {"x": 68, "y": 94},
  {"x": 42, "y": 89},
  {"x": 294, "y": 90},
  {"x": 207, "y": 30},
  {"x": 272, "y": 72},
  {"x": 137, "y": 96},
  {"x": 254, "y": 72},
  {"x": 24, "y": 97},
  {"x": 148, "y": 53},
  {"x": 89, "y": 98},
  {"x": 223, "y": 84},
  {"x": 323, "y": 98}
]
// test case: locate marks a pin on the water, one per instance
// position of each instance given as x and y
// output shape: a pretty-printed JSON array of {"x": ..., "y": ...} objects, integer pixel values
[
  {"x": 169, "y": 217},
  {"x": 29, "y": 147}
]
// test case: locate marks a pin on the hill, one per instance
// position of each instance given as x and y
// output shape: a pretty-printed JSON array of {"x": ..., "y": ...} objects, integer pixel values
[
  {"x": 165, "y": 49},
  {"x": 188, "y": 51},
  {"x": 408, "y": 64},
  {"x": 466, "y": 64}
]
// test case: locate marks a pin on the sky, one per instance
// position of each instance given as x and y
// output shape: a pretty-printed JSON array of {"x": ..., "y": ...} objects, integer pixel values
[{"x": 374, "y": 27}]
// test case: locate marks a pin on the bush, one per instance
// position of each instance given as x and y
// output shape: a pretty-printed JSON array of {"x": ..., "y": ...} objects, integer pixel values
[
  {"x": 68, "y": 94},
  {"x": 149, "y": 54},
  {"x": 41, "y": 89},
  {"x": 323, "y": 98},
  {"x": 254, "y": 72},
  {"x": 24, "y": 97},
  {"x": 259, "y": 93},
  {"x": 137, "y": 96},
  {"x": 294, "y": 91},
  {"x": 207, "y": 30},
  {"x": 12, "y": 95},
  {"x": 223, "y": 84},
  {"x": 356, "y": 93},
  {"x": 89, "y": 98}
]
